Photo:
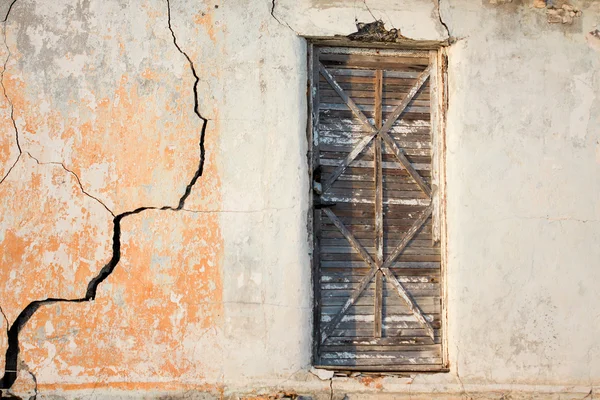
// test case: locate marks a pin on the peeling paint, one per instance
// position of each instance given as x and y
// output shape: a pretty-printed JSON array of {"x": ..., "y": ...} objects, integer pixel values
[
  {"x": 29, "y": 307},
  {"x": 158, "y": 159}
]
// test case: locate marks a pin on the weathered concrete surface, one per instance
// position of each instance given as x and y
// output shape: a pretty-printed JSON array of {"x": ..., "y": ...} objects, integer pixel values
[
  {"x": 217, "y": 302},
  {"x": 9, "y": 150},
  {"x": 102, "y": 89},
  {"x": 148, "y": 319},
  {"x": 523, "y": 199}
]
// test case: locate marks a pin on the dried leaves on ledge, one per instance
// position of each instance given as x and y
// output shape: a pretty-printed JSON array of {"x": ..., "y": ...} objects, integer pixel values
[{"x": 375, "y": 32}]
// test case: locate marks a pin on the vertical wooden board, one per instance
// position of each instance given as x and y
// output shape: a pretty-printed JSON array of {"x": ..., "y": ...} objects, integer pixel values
[
  {"x": 442, "y": 70},
  {"x": 378, "y": 308},
  {"x": 378, "y": 98},
  {"x": 314, "y": 142},
  {"x": 378, "y": 182},
  {"x": 435, "y": 146}
]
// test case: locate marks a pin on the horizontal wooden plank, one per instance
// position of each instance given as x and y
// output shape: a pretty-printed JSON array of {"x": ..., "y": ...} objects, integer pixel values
[
  {"x": 368, "y": 184},
  {"x": 431, "y": 308},
  {"x": 381, "y": 361},
  {"x": 398, "y": 268},
  {"x": 387, "y": 251},
  {"x": 354, "y": 93},
  {"x": 414, "y": 288},
  {"x": 388, "y": 210},
  {"x": 400, "y": 126},
  {"x": 371, "y": 73},
  {"x": 343, "y": 199},
  {"x": 338, "y": 278},
  {"x": 367, "y": 222},
  {"x": 368, "y": 234},
  {"x": 370, "y": 293},
  {"x": 336, "y": 146},
  {"x": 356, "y": 227},
  {"x": 367, "y": 164},
  {"x": 432, "y": 349},
  {"x": 415, "y": 243},
  {"x": 399, "y": 220},
  {"x": 350, "y": 139},
  {"x": 396, "y": 309},
  {"x": 429, "y": 302},
  {"x": 364, "y": 171},
  {"x": 402, "y": 257},
  {"x": 364, "y": 232},
  {"x": 396, "y": 332},
  {"x": 337, "y": 297},
  {"x": 383, "y": 369},
  {"x": 408, "y": 285},
  {"x": 370, "y": 108},
  {"x": 351, "y": 329},
  {"x": 384, "y": 341},
  {"x": 398, "y": 123},
  {"x": 346, "y": 195},
  {"x": 352, "y": 321},
  {"x": 391, "y": 178},
  {"x": 353, "y": 59},
  {"x": 333, "y": 150},
  {"x": 347, "y": 273},
  {"x": 365, "y": 352},
  {"x": 359, "y": 193},
  {"x": 367, "y": 156},
  {"x": 370, "y": 101},
  {"x": 345, "y": 114},
  {"x": 342, "y": 253},
  {"x": 365, "y": 89},
  {"x": 402, "y": 272},
  {"x": 348, "y": 77},
  {"x": 393, "y": 66}
]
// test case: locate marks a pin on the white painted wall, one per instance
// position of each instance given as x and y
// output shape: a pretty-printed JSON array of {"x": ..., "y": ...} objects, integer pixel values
[{"x": 523, "y": 193}]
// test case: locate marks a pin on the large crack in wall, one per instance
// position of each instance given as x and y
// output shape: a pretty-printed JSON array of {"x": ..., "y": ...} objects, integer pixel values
[{"x": 12, "y": 354}]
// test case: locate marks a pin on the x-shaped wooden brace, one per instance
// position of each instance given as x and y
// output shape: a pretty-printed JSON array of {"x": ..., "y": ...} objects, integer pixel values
[
  {"x": 379, "y": 264},
  {"x": 383, "y": 132},
  {"x": 384, "y": 268}
]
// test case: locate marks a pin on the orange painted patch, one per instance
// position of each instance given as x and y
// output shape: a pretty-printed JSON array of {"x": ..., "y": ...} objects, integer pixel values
[
  {"x": 206, "y": 20},
  {"x": 133, "y": 141},
  {"x": 43, "y": 252},
  {"x": 150, "y": 315},
  {"x": 373, "y": 382}
]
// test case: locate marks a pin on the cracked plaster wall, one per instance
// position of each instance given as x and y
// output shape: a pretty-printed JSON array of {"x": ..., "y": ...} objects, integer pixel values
[{"x": 215, "y": 297}]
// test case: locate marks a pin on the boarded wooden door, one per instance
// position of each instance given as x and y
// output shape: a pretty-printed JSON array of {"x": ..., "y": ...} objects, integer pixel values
[{"x": 376, "y": 261}]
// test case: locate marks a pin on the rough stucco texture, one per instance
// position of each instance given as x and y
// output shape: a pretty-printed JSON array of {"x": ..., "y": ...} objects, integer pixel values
[
  {"x": 216, "y": 297},
  {"x": 148, "y": 318}
]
